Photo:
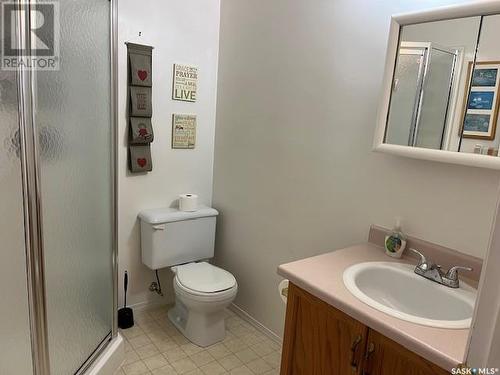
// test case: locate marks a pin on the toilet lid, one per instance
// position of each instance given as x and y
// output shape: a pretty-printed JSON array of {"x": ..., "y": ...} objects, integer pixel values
[{"x": 204, "y": 277}]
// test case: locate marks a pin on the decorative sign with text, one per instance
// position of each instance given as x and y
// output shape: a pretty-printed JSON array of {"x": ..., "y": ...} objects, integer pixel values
[
  {"x": 185, "y": 83},
  {"x": 183, "y": 131}
]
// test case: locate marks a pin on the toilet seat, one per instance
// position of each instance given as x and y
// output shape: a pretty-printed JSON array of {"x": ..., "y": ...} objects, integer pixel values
[
  {"x": 201, "y": 297},
  {"x": 204, "y": 279}
]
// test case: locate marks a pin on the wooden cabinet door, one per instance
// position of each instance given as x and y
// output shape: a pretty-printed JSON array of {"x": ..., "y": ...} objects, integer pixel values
[
  {"x": 319, "y": 339},
  {"x": 386, "y": 357}
]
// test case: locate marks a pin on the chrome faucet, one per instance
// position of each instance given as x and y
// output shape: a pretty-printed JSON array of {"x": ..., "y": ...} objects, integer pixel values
[{"x": 428, "y": 269}]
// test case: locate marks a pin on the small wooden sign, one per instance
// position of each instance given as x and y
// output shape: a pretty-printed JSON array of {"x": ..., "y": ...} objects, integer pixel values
[
  {"x": 183, "y": 131},
  {"x": 185, "y": 83}
]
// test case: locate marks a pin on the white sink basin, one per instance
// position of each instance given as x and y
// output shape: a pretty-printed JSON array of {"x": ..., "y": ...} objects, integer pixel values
[{"x": 395, "y": 289}]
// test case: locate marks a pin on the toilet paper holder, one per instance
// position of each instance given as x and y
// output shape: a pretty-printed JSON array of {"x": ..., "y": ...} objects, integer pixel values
[{"x": 283, "y": 290}]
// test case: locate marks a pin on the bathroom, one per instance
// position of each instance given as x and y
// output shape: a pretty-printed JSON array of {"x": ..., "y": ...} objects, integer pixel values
[{"x": 291, "y": 202}]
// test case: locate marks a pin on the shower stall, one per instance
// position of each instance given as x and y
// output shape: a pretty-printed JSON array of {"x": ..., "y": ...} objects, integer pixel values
[
  {"x": 57, "y": 186},
  {"x": 422, "y": 94}
]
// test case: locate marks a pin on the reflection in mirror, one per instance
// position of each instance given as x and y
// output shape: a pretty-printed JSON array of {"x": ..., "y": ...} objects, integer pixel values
[
  {"x": 481, "y": 101},
  {"x": 430, "y": 72}
]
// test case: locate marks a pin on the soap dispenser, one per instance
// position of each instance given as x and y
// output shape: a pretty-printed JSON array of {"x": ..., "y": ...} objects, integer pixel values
[{"x": 395, "y": 242}]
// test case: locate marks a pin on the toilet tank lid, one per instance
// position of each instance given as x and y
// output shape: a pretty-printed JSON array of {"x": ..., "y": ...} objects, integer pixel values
[{"x": 169, "y": 215}]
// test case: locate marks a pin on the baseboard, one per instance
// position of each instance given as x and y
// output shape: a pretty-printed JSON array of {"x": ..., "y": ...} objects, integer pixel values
[
  {"x": 255, "y": 323},
  {"x": 146, "y": 305}
]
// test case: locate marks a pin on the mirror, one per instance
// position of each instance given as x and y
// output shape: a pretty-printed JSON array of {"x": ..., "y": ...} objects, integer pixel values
[
  {"x": 480, "y": 116},
  {"x": 430, "y": 80},
  {"x": 441, "y": 95}
]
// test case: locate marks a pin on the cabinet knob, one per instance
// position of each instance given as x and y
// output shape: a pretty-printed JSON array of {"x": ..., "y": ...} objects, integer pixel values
[{"x": 369, "y": 351}]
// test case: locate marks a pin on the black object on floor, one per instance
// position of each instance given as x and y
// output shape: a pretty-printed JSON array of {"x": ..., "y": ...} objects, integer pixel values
[{"x": 125, "y": 314}]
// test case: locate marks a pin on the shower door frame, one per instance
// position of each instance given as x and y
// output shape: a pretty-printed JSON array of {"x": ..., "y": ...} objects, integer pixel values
[{"x": 32, "y": 202}]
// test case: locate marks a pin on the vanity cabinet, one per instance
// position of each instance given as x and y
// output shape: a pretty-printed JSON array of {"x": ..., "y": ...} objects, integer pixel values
[{"x": 320, "y": 340}]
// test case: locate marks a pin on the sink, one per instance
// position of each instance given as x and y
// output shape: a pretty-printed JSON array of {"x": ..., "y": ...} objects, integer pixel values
[{"x": 396, "y": 290}]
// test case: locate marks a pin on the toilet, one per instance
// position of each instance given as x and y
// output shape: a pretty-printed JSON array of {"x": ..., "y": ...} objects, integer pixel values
[{"x": 184, "y": 241}]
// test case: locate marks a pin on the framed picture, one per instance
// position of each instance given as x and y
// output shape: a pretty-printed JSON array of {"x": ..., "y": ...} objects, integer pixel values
[
  {"x": 482, "y": 100},
  {"x": 485, "y": 77}
]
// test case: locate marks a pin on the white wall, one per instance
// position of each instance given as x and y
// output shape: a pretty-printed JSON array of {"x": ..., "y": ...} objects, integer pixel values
[
  {"x": 182, "y": 31},
  {"x": 299, "y": 85}
]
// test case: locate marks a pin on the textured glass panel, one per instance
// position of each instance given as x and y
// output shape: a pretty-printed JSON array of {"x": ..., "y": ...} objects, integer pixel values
[
  {"x": 403, "y": 99},
  {"x": 73, "y": 120},
  {"x": 15, "y": 345}
]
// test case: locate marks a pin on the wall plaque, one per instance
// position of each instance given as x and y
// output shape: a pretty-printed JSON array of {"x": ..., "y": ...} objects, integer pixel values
[
  {"x": 185, "y": 83},
  {"x": 183, "y": 131}
]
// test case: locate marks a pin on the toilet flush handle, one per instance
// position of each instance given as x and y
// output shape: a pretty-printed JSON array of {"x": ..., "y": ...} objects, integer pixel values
[{"x": 159, "y": 227}]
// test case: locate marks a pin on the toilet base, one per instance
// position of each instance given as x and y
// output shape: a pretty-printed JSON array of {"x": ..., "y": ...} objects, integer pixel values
[{"x": 202, "y": 329}]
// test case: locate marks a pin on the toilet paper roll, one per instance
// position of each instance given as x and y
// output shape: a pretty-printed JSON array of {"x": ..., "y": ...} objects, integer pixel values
[
  {"x": 283, "y": 290},
  {"x": 188, "y": 202}
]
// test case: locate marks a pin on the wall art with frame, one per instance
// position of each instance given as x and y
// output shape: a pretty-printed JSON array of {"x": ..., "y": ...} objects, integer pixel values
[{"x": 482, "y": 101}]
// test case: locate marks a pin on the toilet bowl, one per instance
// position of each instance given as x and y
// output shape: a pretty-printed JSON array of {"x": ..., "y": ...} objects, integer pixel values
[
  {"x": 184, "y": 241},
  {"x": 202, "y": 292}
]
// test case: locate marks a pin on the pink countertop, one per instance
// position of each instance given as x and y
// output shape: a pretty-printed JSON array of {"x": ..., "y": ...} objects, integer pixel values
[{"x": 322, "y": 277}]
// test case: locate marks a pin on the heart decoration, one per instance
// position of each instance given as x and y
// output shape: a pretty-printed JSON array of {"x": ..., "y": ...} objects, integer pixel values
[
  {"x": 142, "y": 162},
  {"x": 143, "y": 132},
  {"x": 142, "y": 74}
]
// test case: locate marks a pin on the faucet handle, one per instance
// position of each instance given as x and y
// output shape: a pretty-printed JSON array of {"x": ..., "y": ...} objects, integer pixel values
[
  {"x": 452, "y": 273},
  {"x": 423, "y": 259}
]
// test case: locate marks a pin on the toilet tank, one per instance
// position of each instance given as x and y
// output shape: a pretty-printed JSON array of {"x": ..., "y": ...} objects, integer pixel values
[{"x": 170, "y": 237}]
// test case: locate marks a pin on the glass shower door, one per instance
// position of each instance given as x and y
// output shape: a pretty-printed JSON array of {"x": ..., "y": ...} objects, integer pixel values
[
  {"x": 437, "y": 91},
  {"x": 15, "y": 344},
  {"x": 405, "y": 93},
  {"x": 73, "y": 120}
]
